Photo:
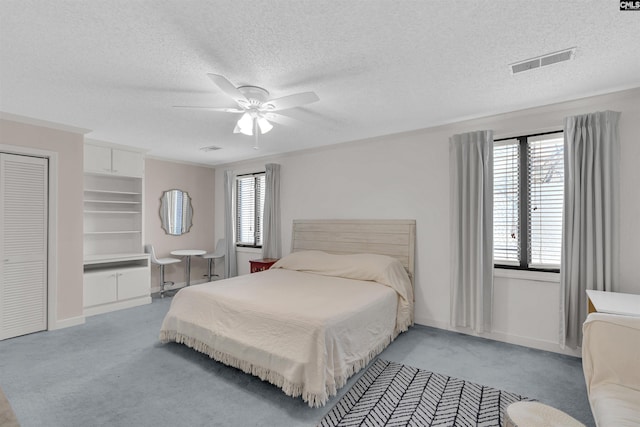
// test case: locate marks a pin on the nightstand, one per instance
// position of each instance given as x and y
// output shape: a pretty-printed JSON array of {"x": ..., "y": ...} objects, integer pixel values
[{"x": 262, "y": 264}]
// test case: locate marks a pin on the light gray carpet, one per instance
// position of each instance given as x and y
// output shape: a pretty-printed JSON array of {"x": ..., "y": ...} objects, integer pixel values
[{"x": 113, "y": 371}]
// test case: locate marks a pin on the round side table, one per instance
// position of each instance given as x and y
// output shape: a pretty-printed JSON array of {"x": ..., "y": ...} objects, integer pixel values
[
  {"x": 187, "y": 254},
  {"x": 536, "y": 414}
]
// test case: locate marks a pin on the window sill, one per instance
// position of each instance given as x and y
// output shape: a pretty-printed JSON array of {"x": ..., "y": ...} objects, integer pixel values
[
  {"x": 537, "y": 276},
  {"x": 247, "y": 250}
]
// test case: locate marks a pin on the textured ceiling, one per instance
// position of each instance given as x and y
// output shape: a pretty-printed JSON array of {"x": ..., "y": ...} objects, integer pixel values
[{"x": 118, "y": 66}]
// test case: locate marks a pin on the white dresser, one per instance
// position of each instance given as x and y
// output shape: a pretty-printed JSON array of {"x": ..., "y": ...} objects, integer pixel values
[{"x": 613, "y": 303}]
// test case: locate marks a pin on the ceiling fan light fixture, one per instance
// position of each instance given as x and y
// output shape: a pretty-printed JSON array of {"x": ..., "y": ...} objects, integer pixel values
[
  {"x": 258, "y": 110},
  {"x": 264, "y": 125},
  {"x": 246, "y": 131},
  {"x": 245, "y": 124}
]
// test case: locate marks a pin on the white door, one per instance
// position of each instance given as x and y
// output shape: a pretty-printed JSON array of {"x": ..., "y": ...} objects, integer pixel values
[{"x": 23, "y": 244}]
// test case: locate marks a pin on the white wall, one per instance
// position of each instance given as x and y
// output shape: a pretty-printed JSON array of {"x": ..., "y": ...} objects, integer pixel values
[
  {"x": 198, "y": 181},
  {"x": 406, "y": 176}
]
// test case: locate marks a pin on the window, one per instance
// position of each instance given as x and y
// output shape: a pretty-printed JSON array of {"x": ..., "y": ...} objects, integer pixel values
[
  {"x": 528, "y": 189},
  {"x": 249, "y": 208}
]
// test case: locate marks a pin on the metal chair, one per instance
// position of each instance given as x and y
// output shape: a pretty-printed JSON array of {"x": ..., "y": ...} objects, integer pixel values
[
  {"x": 211, "y": 257},
  {"x": 160, "y": 262}
]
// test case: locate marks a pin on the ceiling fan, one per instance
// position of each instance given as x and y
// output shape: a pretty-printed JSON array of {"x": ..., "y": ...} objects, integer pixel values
[{"x": 256, "y": 107}]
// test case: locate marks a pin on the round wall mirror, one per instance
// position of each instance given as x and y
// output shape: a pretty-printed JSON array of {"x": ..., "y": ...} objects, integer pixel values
[{"x": 175, "y": 212}]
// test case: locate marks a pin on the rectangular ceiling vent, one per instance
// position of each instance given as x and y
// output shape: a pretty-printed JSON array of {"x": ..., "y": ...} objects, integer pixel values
[
  {"x": 210, "y": 148},
  {"x": 543, "y": 61}
]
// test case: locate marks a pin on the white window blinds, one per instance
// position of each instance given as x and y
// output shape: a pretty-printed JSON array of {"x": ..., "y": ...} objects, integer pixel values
[
  {"x": 546, "y": 191},
  {"x": 506, "y": 202},
  {"x": 250, "y": 191},
  {"x": 528, "y": 187}
]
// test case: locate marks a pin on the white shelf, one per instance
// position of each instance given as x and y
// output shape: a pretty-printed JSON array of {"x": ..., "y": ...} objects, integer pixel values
[
  {"x": 106, "y": 258},
  {"x": 113, "y": 232},
  {"x": 113, "y": 212},
  {"x": 121, "y": 202},
  {"x": 131, "y": 193}
]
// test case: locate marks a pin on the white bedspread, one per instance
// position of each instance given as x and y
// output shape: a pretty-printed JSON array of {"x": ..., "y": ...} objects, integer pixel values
[{"x": 305, "y": 332}]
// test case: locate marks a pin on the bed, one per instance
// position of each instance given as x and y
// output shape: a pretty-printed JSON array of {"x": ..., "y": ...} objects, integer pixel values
[{"x": 318, "y": 316}]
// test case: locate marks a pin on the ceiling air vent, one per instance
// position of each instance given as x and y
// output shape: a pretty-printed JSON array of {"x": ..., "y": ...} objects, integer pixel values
[
  {"x": 210, "y": 148},
  {"x": 542, "y": 61}
]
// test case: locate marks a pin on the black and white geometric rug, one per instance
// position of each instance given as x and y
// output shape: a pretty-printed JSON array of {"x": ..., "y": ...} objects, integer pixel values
[{"x": 391, "y": 394}]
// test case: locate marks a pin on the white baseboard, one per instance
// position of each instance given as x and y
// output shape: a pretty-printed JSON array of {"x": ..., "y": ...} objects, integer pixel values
[
  {"x": 120, "y": 305},
  {"x": 66, "y": 323},
  {"x": 538, "y": 344}
]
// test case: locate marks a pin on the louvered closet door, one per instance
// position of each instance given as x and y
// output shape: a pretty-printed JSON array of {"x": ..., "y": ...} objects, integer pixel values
[{"x": 23, "y": 247}]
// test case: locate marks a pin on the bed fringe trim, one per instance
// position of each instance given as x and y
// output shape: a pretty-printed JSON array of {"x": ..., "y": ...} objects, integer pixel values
[{"x": 314, "y": 400}]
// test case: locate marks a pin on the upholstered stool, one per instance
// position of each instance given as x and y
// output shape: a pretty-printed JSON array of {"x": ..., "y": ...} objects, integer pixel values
[{"x": 536, "y": 414}]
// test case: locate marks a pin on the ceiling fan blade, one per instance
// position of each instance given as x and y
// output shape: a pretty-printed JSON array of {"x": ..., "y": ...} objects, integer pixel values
[
  {"x": 222, "y": 109},
  {"x": 291, "y": 101},
  {"x": 280, "y": 119},
  {"x": 227, "y": 87}
]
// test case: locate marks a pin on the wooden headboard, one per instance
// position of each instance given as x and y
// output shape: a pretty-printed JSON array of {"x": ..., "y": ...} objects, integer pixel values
[{"x": 395, "y": 238}]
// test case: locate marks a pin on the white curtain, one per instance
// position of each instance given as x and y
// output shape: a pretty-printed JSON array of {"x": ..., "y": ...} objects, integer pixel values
[
  {"x": 231, "y": 264},
  {"x": 271, "y": 242},
  {"x": 471, "y": 204},
  {"x": 590, "y": 236}
]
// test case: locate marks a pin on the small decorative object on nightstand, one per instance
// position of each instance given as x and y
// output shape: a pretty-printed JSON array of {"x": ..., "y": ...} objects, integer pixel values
[{"x": 262, "y": 264}]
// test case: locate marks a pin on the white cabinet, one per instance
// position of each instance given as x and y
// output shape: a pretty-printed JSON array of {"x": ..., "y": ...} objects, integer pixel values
[
  {"x": 116, "y": 269},
  {"x": 100, "y": 287},
  {"x": 133, "y": 283},
  {"x": 116, "y": 283},
  {"x": 97, "y": 159},
  {"x": 127, "y": 163},
  {"x": 112, "y": 161}
]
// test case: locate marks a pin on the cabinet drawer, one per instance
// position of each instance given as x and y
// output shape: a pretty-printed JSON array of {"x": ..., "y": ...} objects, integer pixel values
[
  {"x": 99, "y": 288},
  {"x": 133, "y": 283}
]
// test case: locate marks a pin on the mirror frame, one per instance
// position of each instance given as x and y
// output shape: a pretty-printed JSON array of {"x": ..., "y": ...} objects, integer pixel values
[{"x": 165, "y": 213}]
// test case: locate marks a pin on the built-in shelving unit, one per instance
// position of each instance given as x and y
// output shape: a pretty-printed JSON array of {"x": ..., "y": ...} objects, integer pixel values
[
  {"x": 116, "y": 269},
  {"x": 112, "y": 214}
]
